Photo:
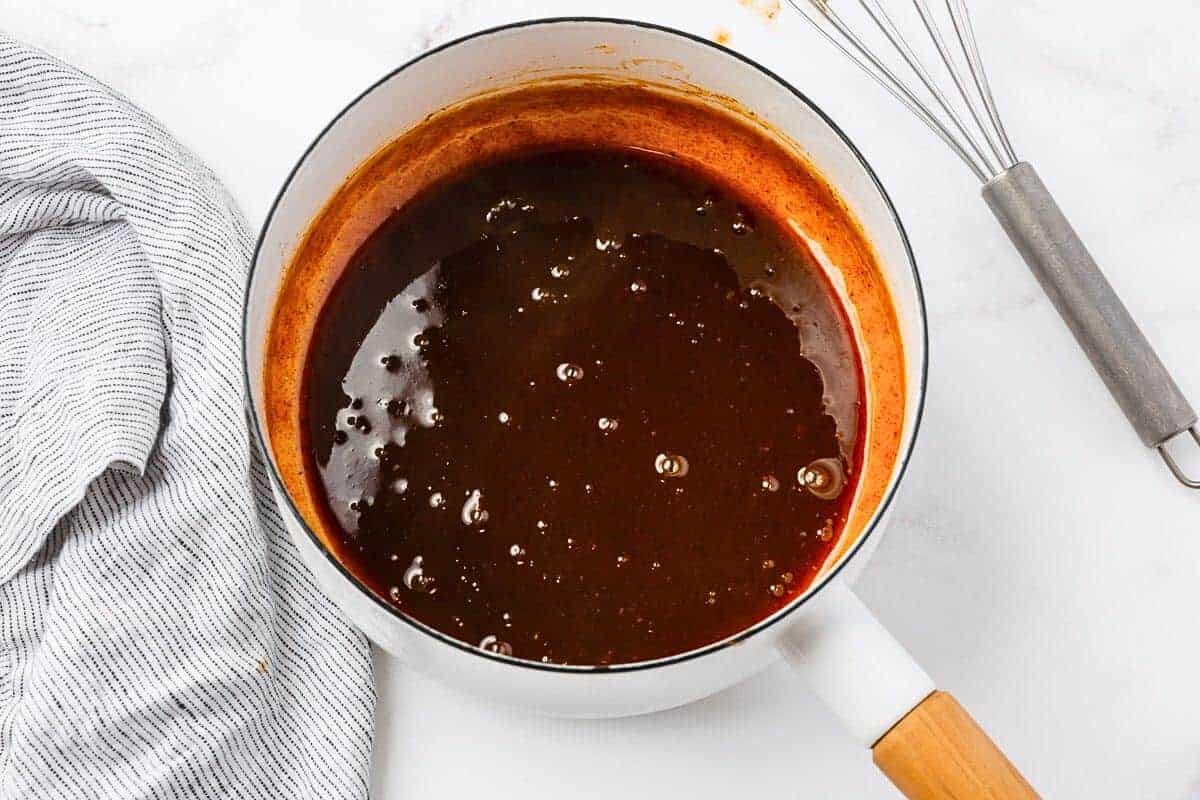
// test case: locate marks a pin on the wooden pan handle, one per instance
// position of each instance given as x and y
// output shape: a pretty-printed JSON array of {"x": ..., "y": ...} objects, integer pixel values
[{"x": 937, "y": 752}]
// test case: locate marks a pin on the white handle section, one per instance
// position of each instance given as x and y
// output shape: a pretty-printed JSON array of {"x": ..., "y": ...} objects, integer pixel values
[{"x": 853, "y": 664}]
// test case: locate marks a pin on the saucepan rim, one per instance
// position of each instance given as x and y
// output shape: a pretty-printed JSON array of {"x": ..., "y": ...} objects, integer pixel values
[{"x": 758, "y": 627}]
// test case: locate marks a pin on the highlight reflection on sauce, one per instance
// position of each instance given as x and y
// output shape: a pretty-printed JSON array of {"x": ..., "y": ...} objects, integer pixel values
[{"x": 583, "y": 407}]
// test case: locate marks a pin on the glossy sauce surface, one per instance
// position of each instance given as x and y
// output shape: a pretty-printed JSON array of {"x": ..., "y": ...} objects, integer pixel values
[{"x": 583, "y": 407}]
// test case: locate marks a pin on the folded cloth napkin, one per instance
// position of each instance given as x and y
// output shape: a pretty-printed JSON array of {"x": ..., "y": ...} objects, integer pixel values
[{"x": 159, "y": 636}]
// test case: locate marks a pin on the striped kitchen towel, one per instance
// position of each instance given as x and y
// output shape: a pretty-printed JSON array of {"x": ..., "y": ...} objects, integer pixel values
[{"x": 159, "y": 636}]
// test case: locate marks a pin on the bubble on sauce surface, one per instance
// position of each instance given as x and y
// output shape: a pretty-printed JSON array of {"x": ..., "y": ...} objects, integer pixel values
[
  {"x": 670, "y": 465},
  {"x": 415, "y": 578},
  {"x": 824, "y": 478},
  {"x": 742, "y": 224},
  {"x": 492, "y": 644},
  {"x": 568, "y": 372},
  {"x": 473, "y": 512},
  {"x": 436, "y": 500},
  {"x": 505, "y": 210},
  {"x": 608, "y": 424}
]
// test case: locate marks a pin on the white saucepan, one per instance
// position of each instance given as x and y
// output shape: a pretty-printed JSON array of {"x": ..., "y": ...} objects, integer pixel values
[{"x": 921, "y": 738}]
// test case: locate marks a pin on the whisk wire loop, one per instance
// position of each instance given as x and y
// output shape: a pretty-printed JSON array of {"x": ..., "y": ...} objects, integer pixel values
[
  {"x": 879, "y": 16},
  {"x": 984, "y": 146},
  {"x": 857, "y": 55},
  {"x": 960, "y": 83},
  {"x": 965, "y": 30}
]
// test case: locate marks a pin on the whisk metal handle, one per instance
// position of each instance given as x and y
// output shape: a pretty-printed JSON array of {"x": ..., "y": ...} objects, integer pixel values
[{"x": 1086, "y": 301}]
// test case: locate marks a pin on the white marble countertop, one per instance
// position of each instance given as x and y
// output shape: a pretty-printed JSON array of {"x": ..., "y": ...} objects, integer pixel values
[{"x": 1041, "y": 564}]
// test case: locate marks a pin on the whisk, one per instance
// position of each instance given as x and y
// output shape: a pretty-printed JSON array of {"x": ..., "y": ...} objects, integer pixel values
[{"x": 966, "y": 119}]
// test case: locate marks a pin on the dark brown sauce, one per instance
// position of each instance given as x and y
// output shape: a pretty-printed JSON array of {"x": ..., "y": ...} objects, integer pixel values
[{"x": 568, "y": 407}]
